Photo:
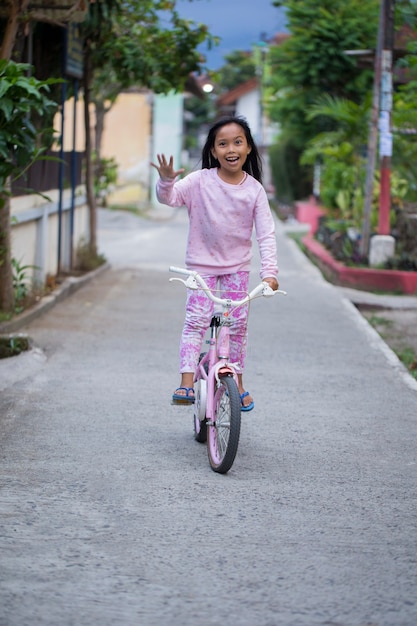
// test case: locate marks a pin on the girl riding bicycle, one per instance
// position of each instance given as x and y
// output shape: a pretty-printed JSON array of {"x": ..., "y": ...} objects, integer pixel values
[{"x": 225, "y": 200}]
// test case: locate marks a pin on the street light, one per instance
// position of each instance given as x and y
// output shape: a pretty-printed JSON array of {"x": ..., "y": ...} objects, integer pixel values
[{"x": 207, "y": 87}]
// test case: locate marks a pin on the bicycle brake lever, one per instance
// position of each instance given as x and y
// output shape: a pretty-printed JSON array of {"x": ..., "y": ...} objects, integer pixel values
[
  {"x": 180, "y": 280},
  {"x": 190, "y": 282},
  {"x": 267, "y": 291}
]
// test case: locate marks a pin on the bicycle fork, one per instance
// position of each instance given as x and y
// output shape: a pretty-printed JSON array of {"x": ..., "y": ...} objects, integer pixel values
[{"x": 218, "y": 361}]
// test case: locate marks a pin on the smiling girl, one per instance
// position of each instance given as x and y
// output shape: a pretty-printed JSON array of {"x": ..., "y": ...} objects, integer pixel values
[{"x": 225, "y": 201}]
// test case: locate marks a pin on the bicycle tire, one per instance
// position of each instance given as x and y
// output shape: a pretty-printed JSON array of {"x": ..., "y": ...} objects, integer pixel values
[
  {"x": 200, "y": 426},
  {"x": 223, "y": 435}
]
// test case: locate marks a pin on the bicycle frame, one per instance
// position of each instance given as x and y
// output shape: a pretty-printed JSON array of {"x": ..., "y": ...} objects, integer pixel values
[{"x": 216, "y": 360}]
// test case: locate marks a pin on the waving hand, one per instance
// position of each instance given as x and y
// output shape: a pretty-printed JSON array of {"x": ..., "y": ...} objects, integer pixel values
[{"x": 166, "y": 168}]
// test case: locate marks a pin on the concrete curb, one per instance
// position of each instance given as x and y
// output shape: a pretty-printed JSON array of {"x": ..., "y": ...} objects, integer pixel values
[
  {"x": 68, "y": 287},
  {"x": 378, "y": 301}
]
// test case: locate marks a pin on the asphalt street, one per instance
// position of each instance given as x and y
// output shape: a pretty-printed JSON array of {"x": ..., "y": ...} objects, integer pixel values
[{"x": 109, "y": 511}]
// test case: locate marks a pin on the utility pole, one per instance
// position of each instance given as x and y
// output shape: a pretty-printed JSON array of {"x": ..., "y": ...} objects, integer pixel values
[
  {"x": 380, "y": 118},
  {"x": 385, "y": 129},
  {"x": 372, "y": 140}
]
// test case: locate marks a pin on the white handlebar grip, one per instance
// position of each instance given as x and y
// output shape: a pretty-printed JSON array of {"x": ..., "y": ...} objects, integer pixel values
[{"x": 180, "y": 270}]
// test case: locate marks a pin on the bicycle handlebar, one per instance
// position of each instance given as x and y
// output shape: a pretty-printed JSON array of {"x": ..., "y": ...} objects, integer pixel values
[{"x": 194, "y": 280}]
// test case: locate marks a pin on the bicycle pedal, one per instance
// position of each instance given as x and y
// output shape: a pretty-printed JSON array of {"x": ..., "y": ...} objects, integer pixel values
[{"x": 181, "y": 403}]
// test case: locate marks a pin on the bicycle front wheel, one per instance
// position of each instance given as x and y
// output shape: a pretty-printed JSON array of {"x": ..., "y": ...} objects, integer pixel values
[{"x": 223, "y": 435}]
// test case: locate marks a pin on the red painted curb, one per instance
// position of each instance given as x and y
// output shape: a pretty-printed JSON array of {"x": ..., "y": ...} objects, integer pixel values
[{"x": 367, "y": 279}]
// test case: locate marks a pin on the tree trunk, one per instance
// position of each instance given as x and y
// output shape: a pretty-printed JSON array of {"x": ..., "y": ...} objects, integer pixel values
[
  {"x": 89, "y": 171},
  {"x": 6, "y": 274},
  {"x": 16, "y": 8},
  {"x": 100, "y": 114},
  {"x": 99, "y": 129}
]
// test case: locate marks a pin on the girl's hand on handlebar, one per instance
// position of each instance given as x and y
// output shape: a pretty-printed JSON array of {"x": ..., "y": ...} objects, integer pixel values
[
  {"x": 272, "y": 282},
  {"x": 166, "y": 168}
]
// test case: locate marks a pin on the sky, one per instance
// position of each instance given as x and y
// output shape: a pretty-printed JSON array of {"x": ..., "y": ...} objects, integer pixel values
[{"x": 239, "y": 24}]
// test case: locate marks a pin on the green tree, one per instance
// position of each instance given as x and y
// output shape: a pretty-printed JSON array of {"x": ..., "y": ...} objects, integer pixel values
[
  {"x": 341, "y": 153},
  {"x": 156, "y": 56},
  {"x": 127, "y": 42},
  {"x": 131, "y": 43},
  {"x": 404, "y": 115},
  {"x": 343, "y": 150},
  {"x": 313, "y": 62},
  {"x": 239, "y": 67},
  {"x": 20, "y": 145},
  {"x": 198, "y": 112}
]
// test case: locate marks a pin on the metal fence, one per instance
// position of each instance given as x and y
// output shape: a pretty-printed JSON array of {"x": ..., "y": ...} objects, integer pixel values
[{"x": 45, "y": 174}]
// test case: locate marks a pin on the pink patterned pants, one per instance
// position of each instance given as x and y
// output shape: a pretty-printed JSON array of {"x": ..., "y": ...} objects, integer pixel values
[{"x": 199, "y": 311}]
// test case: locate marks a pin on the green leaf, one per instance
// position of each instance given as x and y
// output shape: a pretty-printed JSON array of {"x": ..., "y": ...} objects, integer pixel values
[
  {"x": 6, "y": 106},
  {"x": 4, "y": 86},
  {"x": 29, "y": 87},
  {"x": 21, "y": 96}
]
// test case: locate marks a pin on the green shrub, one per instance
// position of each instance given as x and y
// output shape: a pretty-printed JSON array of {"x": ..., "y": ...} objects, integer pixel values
[{"x": 291, "y": 180}]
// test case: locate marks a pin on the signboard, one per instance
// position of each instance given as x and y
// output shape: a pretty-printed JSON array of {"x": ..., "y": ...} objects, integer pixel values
[
  {"x": 74, "y": 57},
  {"x": 385, "y": 145}
]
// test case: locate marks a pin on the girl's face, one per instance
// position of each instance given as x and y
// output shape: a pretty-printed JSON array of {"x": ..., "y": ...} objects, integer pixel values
[{"x": 231, "y": 149}]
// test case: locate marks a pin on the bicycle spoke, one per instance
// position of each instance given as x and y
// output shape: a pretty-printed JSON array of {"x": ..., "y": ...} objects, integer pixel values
[{"x": 223, "y": 436}]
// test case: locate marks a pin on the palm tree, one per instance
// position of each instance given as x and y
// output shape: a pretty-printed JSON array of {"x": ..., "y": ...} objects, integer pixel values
[{"x": 341, "y": 150}]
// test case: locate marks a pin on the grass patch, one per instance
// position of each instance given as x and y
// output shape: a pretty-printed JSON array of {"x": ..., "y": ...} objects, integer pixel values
[
  {"x": 396, "y": 339},
  {"x": 409, "y": 358},
  {"x": 5, "y": 317},
  {"x": 13, "y": 345},
  {"x": 376, "y": 320},
  {"x": 88, "y": 259},
  {"x": 298, "y": 238}
]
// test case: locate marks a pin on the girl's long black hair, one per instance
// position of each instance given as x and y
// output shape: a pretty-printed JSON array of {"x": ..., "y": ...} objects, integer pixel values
[{"x": 253, "y": 164}]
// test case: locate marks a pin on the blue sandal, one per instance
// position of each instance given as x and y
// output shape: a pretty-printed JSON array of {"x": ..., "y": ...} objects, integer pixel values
[
  {"x": 186, "y": 398},
  {"x": 250, "y": 405}
]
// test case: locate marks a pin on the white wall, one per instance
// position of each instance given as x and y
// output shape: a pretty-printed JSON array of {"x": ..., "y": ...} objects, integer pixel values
[
  {"x": 35, "y": 232},
  {"x": 249, "y": 107}
]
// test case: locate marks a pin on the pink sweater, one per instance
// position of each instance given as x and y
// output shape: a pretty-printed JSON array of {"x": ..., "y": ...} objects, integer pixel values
[{"x": 222, "y": 217}]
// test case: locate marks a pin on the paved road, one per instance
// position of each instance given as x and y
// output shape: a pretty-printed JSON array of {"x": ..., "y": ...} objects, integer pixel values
[{"x": 109, "y": 512}]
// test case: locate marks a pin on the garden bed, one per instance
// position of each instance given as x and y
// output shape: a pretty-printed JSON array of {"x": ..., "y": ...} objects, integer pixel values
[
  {"x": 337, "y": 254},
  {"x": 365, "y": 278}
]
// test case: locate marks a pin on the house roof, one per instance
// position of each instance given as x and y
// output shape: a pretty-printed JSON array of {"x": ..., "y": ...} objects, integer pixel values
[
  {"x": 279, "y": 38},
  {"x": 240, "y": 90}
]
